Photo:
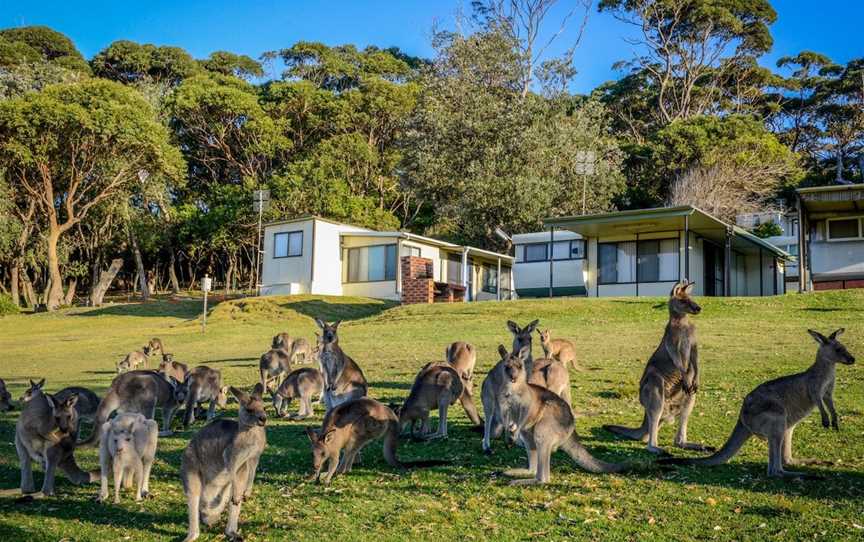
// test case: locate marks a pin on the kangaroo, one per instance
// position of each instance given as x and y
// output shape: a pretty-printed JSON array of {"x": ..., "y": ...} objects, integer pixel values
[
  {"x": 219, "y": 464},
  {"x": 173, "y": 369},
  {"x": 142, "y": 392},
  {"x": 87, "y": 404},
  {"x": 301, "y": 384},
  {"x": 462, "y": 357},
  {"x": 544, "y": 423},
  {"x": 282, "y": 341},
  {"x": 204, "y": 384},
  {"x": 133, "y": 360},
  {"x": 351, "y": 426},
  {"x": 552, "y": 375},
  {"x": 436, "y": 386},
  {"x": 301, "y": 351},
  {"x": 35, "y": 390},
  {"x": 155, "y": 345},
  {"x": 560, "y": 349},
  {"x": 273, "y": 366},
  {"x": 343, "y": 378},
  {"x": 493, "y": 385},
  {"x": 5, "y": 398},
  {"x": 128, "y": 449},
  {"x": 46, "y": 432},
  {"x": 671, "y": 378},
  {"x": 774, "y": 408}
]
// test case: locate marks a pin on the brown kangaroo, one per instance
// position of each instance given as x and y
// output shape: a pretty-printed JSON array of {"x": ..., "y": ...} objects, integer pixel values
[
  {"x": 437, "y": 385},
  {"x": 552, "y": 374},
  {"x": 462, "y": 357},
  {"x": 671, "y": 378},
  {"x": 301, "y": 384},
  {"x": 343, "y": 379},
  {"x": 560, "y": 349},
  {"x": 544, "y": 423},
  {"x": 773, "y": 409}
]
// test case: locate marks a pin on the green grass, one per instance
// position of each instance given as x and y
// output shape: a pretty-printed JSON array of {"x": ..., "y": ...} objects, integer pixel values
[{"x": 742, "y": 343}]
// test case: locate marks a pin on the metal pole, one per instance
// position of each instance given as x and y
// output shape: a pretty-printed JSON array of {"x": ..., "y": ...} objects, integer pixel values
[
  {"x": 258, "y": 249},
  {"x": 498, "y": 280},
  {"x": 761, "y": 275},
  {"x": 204, "y": 316},
  {"x": 637, "y": 265},
  {"x": 551, "y": 259},
  {"x": 687, "y": 248},
  {"x": 802, "y": 267},
  {"x": 727, "y": 257}
]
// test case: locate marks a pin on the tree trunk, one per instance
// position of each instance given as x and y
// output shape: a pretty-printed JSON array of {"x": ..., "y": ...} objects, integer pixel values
[
  {"x": 16, "y": 271},
  {"x": 105, "y": 279},
  {"x": 139, "y": 265},
  {"x": 172, "y": 274},
  {"x": 54, "y": 295},
  {"x": 229, "y": 274},
  {"x": 29, "y": 293},
  {"x": 70, "y": 292}
]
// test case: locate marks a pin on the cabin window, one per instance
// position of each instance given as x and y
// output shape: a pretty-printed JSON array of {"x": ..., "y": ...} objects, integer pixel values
[
  {"x": 840, "y": 229},
  {"x": 536, "y": 252},
  {"x": 410, "y": 251},
  {"x": 561, "y": 250},
  {"x": 372, "y": 264},
  {"x": 288, "y": 244},
  {"x": 489, "y": 279},
  {"x": 653, "y": 260}
]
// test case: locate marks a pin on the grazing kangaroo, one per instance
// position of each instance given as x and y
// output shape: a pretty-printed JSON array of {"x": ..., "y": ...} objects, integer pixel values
[
  {"x": 343, "y": 379},
  {"x": 493, "y": 385},
  {"x": 462, "y": 357},
  {"x": 544, "y": 423},
  {"x": 46, "y": 432},
  {"x": 773, "y": 409},
  {"x": 301, "y": 384},
  {"x": 142, "y": 392},
  {"x": 301, "y": 351},
  {"x": 5, "y": 398},
  {"x": 273, "y": 366},
  {"x": 204, "y": 384},
  {"x": 439, "y": 386},
  {"x": 219, "y": 464},
  {"x": 133, "y": 360},
  {"x": 669, "y": 383},
  {"x": 173, "y": 369},
  {"x": 552, "y": 375},
  {"x": 128, "y": 450},
  {"x": 560, "y": 349}
]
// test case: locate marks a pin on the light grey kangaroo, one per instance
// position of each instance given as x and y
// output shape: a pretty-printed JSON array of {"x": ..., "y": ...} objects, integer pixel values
[
  {"x": 301, "y": 351},
  {"x": 46, "y": 432},
  {"x": 544, "y": 423},
  {"x": 220, "y": 462},
  {"x": 274, "y": 365},
  {"x": 142, "y": 392},
  {"x": 343, "y": 378},
  {"x": 301, "y": 384},
  {"x": 493, "y": 384},
  {"x": 438, "y": 386},
  {"x": 203, "y": 384},
  {"x": 671, "y": 378},
  {"x": 774, "y": 408},
  {"x": 127, "y": 450}
]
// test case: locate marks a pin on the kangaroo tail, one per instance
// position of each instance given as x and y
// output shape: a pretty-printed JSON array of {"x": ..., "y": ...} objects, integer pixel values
[
  {"x": 584, "y": 459},
  {"x": 391, "y": 442},
  {"x": 634, "y": 433},
  {"x": 108, "y": 405},
  {"x": 739, "y": 436}
]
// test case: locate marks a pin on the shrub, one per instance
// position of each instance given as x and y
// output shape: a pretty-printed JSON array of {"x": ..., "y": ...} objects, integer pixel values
[{"x": 7, "y": 306}]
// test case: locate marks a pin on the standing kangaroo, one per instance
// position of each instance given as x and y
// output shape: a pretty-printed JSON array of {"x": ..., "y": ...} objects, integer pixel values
[
  {"x": 436, "y": 386},
  {"x": 46, "y": 432},
  {"x": 5, "y": 398},
  {"x": 301, "y": 351},
  {"x": 301, "y": 384},
  {"x": 282, "y": 341},
  {"x": 219, "y": 465},
  {"x": 671, "y": 378},
  {"x": 493, "y": 385},
  {"x": 544, "y": 423},
  {"x": 142, "y": 392},
  {"x": 343, "y": 378},
  {"x": 551, "y": 374},
  {"x": 462, "y": 357},
  {"x": 127, "y": 450},
  {"x": 274, "y": 365},
  {"x": 560, "y": 349},
  {"x": 203, "y": 384},
  {"x": 773, "y": 409},
  {"x": 172, "y": 369}
]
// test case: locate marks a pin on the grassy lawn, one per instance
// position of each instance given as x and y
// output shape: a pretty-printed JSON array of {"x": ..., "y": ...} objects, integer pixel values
[{"x": 742, "y": 343}]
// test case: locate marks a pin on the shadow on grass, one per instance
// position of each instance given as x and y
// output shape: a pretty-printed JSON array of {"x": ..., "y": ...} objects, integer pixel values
[
  {"x": 317, "y": 308},
  {"x": 187, "y": 308},
  {"x": 387, "y": 385}
]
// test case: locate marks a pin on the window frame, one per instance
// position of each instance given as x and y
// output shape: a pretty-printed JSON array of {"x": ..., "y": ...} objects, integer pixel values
[
  {"x": 637, "y": 281},
  {"x": 366, "y": 247},
  {"x": 857, "y": 218},
  {"x": 288, "y": 254},
  {"x": 521, "y": 252},
  {"x": 525, "y": 252},
  {"x": 487, "y": 271}
]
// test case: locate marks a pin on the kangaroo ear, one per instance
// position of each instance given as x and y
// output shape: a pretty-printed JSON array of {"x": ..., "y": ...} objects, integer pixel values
[
  {"x": 328, "y": 436},
  {"x": 817, "y": 336},
  {"x": 321, "y": 323},
  {"x": 241, "y": 395},
  {"x": 39, "y": 384},
  {"x": 675, "y": 290},
  {"x": 335, "y": 324},
  {"x": 689, "y": 288},
  {"x": 533, "y": 325},
  {"x": 312, "y": 433},
  {"x": 258, "y": 391},
  {"x": 837, "y": 333},
  {"x": 502, "y": 351},
  {"x": 513, "y": 327},
  {"x": 71, "y": 401}
]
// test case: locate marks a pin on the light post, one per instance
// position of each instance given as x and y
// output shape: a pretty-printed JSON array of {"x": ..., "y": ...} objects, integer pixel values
[
  {"x": 260, "y": 200},
  {"x": 206, "y": 285}
]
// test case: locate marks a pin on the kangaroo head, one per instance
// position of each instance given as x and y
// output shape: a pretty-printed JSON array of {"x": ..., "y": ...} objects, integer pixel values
[
  {"x": 328, "y": 331},
  {"x": 545, "y": 336},
  {"x": 251, "y": 411},
  {"x": 121, "y": 437},
  {"x": 34, "y": 390},
  {"x": 522, "y": 336},
  {"x": 830, "y": 349},
  {"x": 167, "y": 358},
  {"x": 146, "y": 349},
  {"x": 514, "y": 363},
  {"x": 65, "y": 414},
  {"x": 320, "y": 444},
  {"x": 180, "y": 389},
  {"x": 278, "y": 342},
  {"x": 680, "y": 302},
  {"x": 155, "y": 344}
]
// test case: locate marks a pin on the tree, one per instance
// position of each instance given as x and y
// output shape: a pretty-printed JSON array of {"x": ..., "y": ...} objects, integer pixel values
[
  {"x": 129, "y": 62},
  {"x": 74, "y": 146},
  {"x": 686, "y": 46},
  {"x": 227, "y": 63}
]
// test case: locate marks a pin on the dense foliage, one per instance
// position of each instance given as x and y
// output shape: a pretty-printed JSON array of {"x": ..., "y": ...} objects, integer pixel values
[{"x": 147, "y": 154}]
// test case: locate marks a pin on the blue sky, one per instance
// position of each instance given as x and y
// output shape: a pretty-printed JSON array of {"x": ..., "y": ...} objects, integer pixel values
[{"x": 832, "y": 27}]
